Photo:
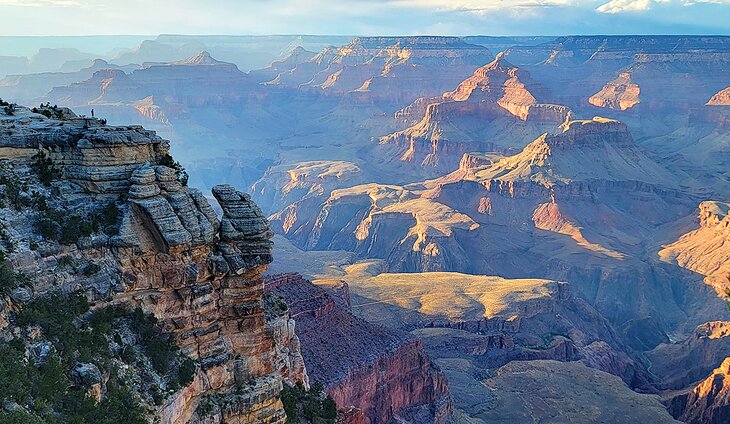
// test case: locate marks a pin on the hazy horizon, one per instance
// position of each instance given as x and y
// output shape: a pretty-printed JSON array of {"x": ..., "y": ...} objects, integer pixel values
[{"x": 365, "y": 17}]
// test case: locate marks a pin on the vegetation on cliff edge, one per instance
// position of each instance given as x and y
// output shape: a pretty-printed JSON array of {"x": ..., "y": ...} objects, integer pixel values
[
  {"x": 308, "y": 406},
  {"x": 70, "y": 364}
]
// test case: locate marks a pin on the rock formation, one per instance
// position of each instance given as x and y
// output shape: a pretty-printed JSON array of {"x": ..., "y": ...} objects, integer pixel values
[
  {"x": 679, "y": 365},
  {"x": 496, "y": 97},
  {"x": 285, "y": 184},
  {"x": 383, "y": 69},
  {"x": 31, "y": 87},
  {"x": 500, "y": 216},
  {"x": 620, "y": 94},
  {"x": 705, "y": 250},
  {"x": 383, "y": 373},
  {"x": 722, "y": 98},
  {"x": 585, "y": 149},
  {"x": 200, "y": 276},
  {"x": 708, "y": 402}
]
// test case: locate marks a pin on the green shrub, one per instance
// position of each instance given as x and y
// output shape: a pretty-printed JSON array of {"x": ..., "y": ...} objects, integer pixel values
[
  {"x": 78, "y": 336},
  {"x": 313, "y": 405},
  {"x": 10, "y": 279},
  {"x": 43, "y": 165},
  {"x": 169, "y": 162},
  {"x": 91, "y": 269},
  {"x": 329, "y": 408},
  {"x": 13, "y": 190},
  {"x": 186, "y": 372},
  {"x": 19, "y": 417},
  {"x": 54, "y": 224}
]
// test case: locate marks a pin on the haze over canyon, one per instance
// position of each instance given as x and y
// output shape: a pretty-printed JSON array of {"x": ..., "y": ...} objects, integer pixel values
[{"x": 366, "y": 230}]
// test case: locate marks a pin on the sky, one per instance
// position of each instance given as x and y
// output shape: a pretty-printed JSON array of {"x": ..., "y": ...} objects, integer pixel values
[{"x": 364, "y": 17}]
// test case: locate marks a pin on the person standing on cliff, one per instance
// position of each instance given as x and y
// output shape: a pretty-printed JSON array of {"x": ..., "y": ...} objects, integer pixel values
[{"x": 92, "y": 113}]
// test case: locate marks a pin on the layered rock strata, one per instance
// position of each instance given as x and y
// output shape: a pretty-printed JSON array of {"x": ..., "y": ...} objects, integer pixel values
[
  {"x": 722, "y": 98},
  {"x": 620, "y": 94},
  {"x": 499, "y": 103},
  {"x": 706, "y": 403},
  {"x": 705, "y": 250},
  {"x": 199, "y": 275},
  {"x": 384, "y": 373}
]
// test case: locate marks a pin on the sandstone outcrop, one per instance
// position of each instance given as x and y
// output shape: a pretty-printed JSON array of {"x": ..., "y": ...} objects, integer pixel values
[
  {"x": 722, "y": 98},
  {"x": 382, "y": 372},
  {"x": 705, "y": 250},
  {"x": 708, "y": 402},
  {"x": 380, "y": 69},
  {"x": 501, "y": 216},
  {"x": 200, "y": 276},
  {"x": 620, "y": 94},
  {"x": 497, "y": 98},
  {"x": 491, "y": 321},
  {"x": 282, "y": 185},
  {"x": 598, "y": 148},
  {"x": 679, "y": 365}
]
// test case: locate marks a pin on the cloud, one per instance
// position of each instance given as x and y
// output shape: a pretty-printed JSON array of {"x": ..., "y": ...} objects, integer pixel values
[
  {"x": 478, "y": 6},
  {"x": 621, "y": 6},
  {"x": 39, "y": 3},
  {"x": 692, "y": 2}
]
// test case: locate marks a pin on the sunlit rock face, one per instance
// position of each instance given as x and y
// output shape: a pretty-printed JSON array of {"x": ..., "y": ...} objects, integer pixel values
[
  {"x": 383, "y": 373},
  {"x": 200, "y": 275},
  {"x": 587, "y": 195},
  {"x": 722, "y": 98},
  {"x": 582, "y": 65},
  {"x": 678, "y": 366},
  {"x": 387, "y": 69},
  {"x": 705, "y": 249},
  {"x": 282, "y": 185},
  {"x": 498, "y": 98},
  {"x": 619, "y": 94},
  {"x": 707, "y": 402}
]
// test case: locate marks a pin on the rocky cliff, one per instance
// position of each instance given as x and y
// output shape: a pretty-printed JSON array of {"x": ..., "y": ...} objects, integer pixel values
[
  {"x": 705, "y": 249},
  {"x": 588, "y": 195},
  {"x": 384, "y": 69},
  {"x": 200, "y": 276},
  {"x": 722, "y": 98},
  {"x": 498, "y": 98},
  {"x": 619, "y": 94},
  {"x": 384, "y": 373},
  {"x": 706, "y": 403}
]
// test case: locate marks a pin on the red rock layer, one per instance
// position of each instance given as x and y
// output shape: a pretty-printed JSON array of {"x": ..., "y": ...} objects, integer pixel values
[
  {"x": 708, "y": 402},
  {"x": 384, "y": 373}
]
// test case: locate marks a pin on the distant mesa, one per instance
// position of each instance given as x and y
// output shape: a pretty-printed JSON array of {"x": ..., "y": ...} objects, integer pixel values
[
  {"x": 375, "y": 68},
  {"x": 495, "y": 109},
  {"x": 597, "y": 148},
  {"x": 619, "y": 94},
  {"x": 202, "y": 58},
  {"x": 722, "y": 98}
]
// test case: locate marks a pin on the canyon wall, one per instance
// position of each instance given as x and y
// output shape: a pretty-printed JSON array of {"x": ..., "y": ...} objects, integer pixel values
[
  {"x": 200, "y": 276},
  {"x": 384, "y": 373}
]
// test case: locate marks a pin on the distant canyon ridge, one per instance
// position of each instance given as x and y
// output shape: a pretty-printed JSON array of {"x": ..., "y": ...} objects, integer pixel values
[{"x": 465, "y": 229}]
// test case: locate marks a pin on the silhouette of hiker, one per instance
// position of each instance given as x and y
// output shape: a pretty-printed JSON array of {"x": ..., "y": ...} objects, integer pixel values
[{"x": 92, "y": 113}]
